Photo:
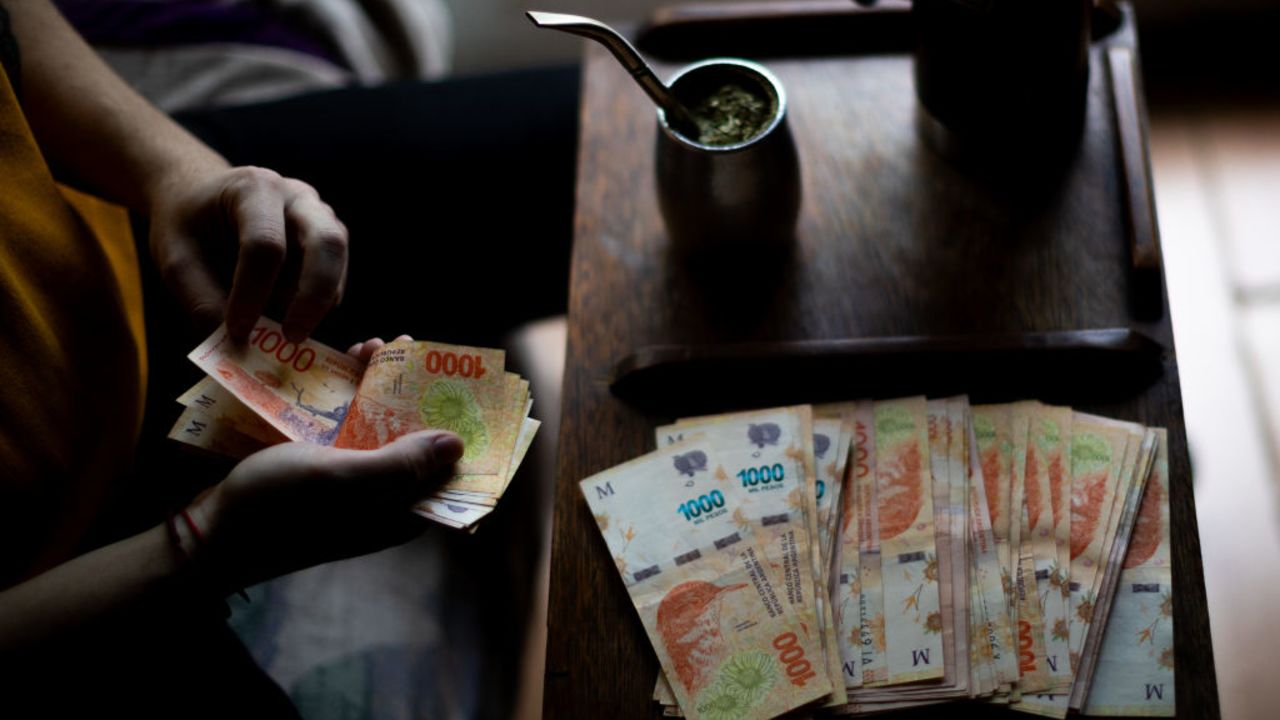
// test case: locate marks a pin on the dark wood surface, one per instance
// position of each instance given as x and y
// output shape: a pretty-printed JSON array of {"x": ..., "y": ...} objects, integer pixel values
[
  {"x": 892, "y": 241},
  {"x": 1135, "y": 187},
  {"x": 1088, "y": 366}
]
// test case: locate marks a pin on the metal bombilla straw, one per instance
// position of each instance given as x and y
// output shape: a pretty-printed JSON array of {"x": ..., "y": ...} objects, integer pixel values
[{"x": 678, "y": 116}]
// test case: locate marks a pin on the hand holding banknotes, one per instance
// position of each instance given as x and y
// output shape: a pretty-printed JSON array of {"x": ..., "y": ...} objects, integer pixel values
[
  {"x": 295, "y": 505},
  {"x": 270, "y": 391}
]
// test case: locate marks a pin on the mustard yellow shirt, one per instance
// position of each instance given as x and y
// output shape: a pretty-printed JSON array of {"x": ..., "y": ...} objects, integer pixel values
[{"x": 72, "y": 354}]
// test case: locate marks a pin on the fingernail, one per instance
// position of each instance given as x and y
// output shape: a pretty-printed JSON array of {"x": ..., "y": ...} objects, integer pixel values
[{"x": 447, "y": 448}]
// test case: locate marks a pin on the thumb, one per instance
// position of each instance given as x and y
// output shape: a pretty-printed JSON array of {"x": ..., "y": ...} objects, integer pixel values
[{"x": 404, "y": 470}]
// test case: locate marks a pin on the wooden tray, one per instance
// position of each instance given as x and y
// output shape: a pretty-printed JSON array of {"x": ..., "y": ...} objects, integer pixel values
[{"x": 897, "y": 251}]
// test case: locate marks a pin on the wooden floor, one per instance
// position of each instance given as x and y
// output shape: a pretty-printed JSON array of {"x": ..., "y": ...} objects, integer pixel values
[{"x": 1217, "y": 178}]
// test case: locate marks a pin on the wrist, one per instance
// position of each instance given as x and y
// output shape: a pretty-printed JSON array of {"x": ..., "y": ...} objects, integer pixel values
[
  {"x": 193, "y": 579},
  {"x": 204, "y": 511},
  {"x": 179, "y": 175},
  {"x": 195, "y": 531}
]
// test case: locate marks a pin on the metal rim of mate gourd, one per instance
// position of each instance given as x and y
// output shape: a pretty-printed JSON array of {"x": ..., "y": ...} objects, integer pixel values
[{"x": 768, "y": 83}]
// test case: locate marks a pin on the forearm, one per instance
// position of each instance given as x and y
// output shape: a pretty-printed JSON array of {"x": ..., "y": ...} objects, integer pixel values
[
  {"x": 93, "y": 128},
  {"x": 91, "y": 588}
]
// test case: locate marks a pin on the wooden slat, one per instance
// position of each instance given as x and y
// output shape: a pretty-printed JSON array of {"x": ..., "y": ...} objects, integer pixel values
[{"x": 1136, "y": 185}]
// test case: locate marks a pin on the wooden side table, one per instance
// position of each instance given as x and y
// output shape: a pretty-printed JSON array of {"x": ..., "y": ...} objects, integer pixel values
[{"x": 893, "y": 242}]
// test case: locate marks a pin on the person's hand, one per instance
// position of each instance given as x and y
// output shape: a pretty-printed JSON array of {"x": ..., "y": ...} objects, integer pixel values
[
  {"x": 273, "y": 228},
  {"x": 295, "y": 505},
  {"x": 362, "y": 351}
]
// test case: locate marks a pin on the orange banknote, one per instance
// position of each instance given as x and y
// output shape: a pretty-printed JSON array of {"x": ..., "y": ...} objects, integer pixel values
[
  {"x": 908, "y": 547},
  {"x": 270, "y": 390}
]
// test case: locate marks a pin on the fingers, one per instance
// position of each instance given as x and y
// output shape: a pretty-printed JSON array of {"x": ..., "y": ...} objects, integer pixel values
[
  {"x": 194, "y": 284},
  {"x": 428, "y": 457},
  {"x": 254, "y": 203},
  {"x": 363, "y": 351},
  {"x": 404, "y": 470},
  {"x": 322, "y": 238},
  {"x": 267, "y": 210}
]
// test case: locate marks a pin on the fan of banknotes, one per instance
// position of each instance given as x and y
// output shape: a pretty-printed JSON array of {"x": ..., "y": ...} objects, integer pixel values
[
  {"x": 269, "y": 391},
  {"x": 878, "y": 555}
]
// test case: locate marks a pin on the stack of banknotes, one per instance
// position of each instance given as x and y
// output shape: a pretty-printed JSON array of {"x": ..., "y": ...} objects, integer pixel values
[
  {"x": 878, "y": 555},
  {"x": 270, "y": 391}
]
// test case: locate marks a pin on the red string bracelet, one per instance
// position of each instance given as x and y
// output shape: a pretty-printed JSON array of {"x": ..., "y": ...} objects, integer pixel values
[
  {"x": 191, "y": 524},
  {"x": 171, "y": 524},
  {"x": 199, "y": 536}
]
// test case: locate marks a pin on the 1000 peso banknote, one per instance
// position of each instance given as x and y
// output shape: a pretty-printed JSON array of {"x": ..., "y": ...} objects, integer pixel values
[
  {"x": 303, "y": 390},
  {"x": 1134, "y": 674},
  {"x": 712, "y": 604},
  {"x": 269, "y": 390},
  {"x": 769, "y": 455},
  {"x": 908, "y": 547}
]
